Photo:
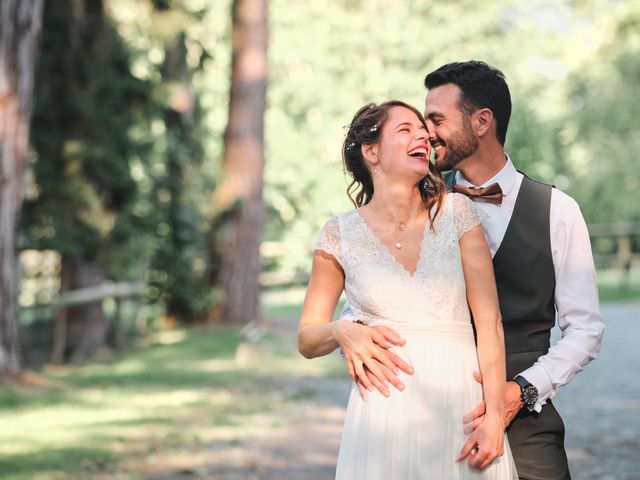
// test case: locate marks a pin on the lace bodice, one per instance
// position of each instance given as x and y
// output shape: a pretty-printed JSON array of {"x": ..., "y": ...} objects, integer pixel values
[{"x": 377, "y": 286}]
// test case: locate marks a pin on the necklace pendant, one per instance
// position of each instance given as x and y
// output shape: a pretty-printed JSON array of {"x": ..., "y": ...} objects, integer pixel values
[{"x": 398, "y": 245}]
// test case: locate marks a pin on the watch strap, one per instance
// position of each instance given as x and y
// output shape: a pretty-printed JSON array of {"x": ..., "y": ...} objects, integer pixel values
[
  {"x": 523, "y": 382},
  {"x": 528, "y": 392}
]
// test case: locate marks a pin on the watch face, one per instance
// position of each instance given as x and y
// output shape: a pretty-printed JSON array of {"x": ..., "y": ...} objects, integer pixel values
[{"x": 529, "y": 395}]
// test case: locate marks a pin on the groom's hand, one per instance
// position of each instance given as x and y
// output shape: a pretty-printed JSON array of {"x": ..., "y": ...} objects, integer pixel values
[
  {"x": 512, "y": 405},
  {"x": 369, "y": 361},
  {"x": 512, "y": 402},
  {"x": 383, "y": 376}
]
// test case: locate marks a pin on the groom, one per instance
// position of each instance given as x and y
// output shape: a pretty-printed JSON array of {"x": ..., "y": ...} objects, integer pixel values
[{"x": 541, "y": 257}]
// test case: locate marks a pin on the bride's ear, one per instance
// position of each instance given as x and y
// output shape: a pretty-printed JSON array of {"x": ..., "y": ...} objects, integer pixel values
[{"x": 370, "y": 153}]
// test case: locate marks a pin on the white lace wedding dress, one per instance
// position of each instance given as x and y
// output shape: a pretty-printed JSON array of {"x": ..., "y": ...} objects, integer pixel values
[{"x": 415, "y": 434}]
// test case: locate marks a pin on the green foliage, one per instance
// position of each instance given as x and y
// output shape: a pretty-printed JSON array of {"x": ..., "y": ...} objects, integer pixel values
[
  {"x": 603, "y": 125},
  {"x": 118, "y": 179},
  {"x": 81, "y": 202},
  {"x": 170, "y": 46}
]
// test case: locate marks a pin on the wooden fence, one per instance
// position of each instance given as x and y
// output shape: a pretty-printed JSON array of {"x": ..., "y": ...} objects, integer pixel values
[
  {"x": 42, "y": 302},
  {"x": 85, "y": 296}
]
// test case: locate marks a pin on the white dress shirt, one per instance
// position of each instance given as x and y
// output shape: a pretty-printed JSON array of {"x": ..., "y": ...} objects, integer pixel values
[{"x": 576, "y": 292}]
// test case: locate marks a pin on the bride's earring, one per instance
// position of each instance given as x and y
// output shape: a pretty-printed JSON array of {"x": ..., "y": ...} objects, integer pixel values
[{"x": 374, "y": 170}]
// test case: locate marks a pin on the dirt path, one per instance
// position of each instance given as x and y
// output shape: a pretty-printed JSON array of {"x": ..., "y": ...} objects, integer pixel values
[{"x": 305, "y": 447}]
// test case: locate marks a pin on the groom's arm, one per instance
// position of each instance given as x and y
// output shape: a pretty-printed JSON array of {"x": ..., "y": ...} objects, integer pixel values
[
  {"x": 576, "y": 298},
  {"x": 579, "y": 318}
]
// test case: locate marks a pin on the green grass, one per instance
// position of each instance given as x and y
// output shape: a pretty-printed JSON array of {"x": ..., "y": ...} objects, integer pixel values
[
  {"x": 286, "y": 305},
  {"x": 157, "y": 408}
]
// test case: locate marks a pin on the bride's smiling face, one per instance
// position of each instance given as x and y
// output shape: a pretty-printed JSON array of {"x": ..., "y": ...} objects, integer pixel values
[{"x": 403, "y": 149}]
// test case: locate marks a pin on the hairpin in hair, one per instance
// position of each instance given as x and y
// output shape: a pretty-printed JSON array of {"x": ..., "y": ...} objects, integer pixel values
[
  {"x": 374, "y": 129},
  {"x": 351, "y": 146}
]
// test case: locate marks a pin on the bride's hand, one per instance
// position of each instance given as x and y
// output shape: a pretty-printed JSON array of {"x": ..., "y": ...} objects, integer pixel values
[
  {"x": 485, "y": 443},
  {"x": 369, "y": 361}
]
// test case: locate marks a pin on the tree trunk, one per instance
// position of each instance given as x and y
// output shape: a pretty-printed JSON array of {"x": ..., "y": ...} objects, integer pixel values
[
  {"x": 243, "y": 164},
  {"x": 84, "y": 326},
  {"x": 20, "y": 22}
]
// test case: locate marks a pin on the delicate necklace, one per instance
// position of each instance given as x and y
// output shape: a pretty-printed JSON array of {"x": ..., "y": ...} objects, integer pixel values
[{"x": 401, "y": 226}]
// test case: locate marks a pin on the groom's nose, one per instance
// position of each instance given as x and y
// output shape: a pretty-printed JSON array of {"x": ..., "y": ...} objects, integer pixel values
[
  {"x": 431, "y": 129},
  {"x": 432, "y": 134}
]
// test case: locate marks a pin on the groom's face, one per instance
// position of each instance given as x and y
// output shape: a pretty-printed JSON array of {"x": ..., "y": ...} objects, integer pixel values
[{"x": 450, "y": 131}]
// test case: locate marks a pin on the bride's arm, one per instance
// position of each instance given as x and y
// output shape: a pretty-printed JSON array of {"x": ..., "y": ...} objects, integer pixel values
[
  {"x": 316, "y": 332},
  {"x": 367, "y": 361},
  {"x": 487, "y": 441}
]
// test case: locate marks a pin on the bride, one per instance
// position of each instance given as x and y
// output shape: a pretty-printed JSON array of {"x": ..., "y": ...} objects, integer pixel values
[{"x": 413, "y": 258}]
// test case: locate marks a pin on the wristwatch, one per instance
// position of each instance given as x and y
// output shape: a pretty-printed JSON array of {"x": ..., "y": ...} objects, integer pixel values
[{"x": 528, "y": 393}]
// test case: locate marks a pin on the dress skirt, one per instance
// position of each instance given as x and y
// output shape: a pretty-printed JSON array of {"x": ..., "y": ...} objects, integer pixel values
[{"x": 418, "y": 433}]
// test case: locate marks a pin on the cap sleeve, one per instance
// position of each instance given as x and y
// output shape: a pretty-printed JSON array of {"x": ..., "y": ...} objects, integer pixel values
[
  {"x": 328, "y": 240},
  {"x": 466, "y": 214}
]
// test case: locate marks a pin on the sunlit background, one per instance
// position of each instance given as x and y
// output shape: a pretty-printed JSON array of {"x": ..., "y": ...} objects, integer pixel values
[{"x": 135, "y": 369}]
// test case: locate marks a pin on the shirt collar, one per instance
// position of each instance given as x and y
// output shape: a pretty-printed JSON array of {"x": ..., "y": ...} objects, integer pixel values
[{"x": 506, "y": 178}]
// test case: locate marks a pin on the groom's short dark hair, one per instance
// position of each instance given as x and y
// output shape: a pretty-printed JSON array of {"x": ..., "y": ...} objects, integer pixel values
[{"x": 482, "y": 86}]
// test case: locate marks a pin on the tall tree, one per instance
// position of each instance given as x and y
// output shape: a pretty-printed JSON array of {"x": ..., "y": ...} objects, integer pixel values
[
  {"x": 239, "y": 197},
  {"x": 19, "y": 28}
]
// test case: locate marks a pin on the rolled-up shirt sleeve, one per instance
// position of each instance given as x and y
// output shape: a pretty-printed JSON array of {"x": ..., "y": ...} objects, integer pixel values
[{"x": 576, "y": 298}]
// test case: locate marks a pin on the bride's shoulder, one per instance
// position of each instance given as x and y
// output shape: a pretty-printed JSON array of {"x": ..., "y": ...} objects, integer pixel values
[
  {"x": 458, "y": 201},
  {"x": 457, "y": 197},
  {"x": 334, "y": 222},
  {"x": 341, "y": 217},
  {"x": 330, "y": 237}
]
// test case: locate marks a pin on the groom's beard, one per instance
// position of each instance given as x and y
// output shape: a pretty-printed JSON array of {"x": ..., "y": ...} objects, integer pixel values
[{"x": 460, "y": 146}]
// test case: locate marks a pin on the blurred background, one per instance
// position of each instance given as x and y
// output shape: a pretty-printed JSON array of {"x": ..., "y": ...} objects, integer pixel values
[{"x": 166, "y": 166}]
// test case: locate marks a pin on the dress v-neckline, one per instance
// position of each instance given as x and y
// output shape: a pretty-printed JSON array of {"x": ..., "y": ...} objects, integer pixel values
[{"x": 386, "y": 250}]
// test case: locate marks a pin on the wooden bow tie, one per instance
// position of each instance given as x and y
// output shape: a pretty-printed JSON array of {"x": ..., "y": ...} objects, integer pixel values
[{"x": 490, "y": 194}]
